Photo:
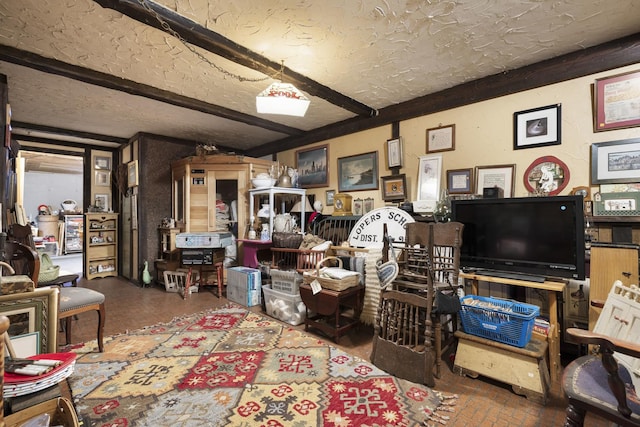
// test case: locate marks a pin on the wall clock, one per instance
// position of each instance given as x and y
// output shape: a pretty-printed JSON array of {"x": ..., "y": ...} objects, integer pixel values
[
  {"x": 342, "y": 204},
  {"x": 546, "y": 175}
]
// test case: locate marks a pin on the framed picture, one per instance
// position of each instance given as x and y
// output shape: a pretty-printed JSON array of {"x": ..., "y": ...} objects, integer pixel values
[
  {"x": 329, "y": 197},
  {"x": 33, "y": 312},
  {"x": 429, "y": 172},
  {"x": 357, "y": 207},
  {"x": 102, "y": 163},
  {"x": 394, "y": 188},
  {"x": 368, "y": 205},
  {"x": 357, "y": 173},
  {"x": 394, "y": 153},
  {"x": 546, "y": 175},
  {"x": 460, "y": 181},
  {"x": 615, "y": 161},
  {"x": 615, "y": 103},
  {"x": 537, "y": 127},
  {"x": 132, "y": 173},
  {"x": 313, "y": 166},
  {"x": 501, "y": 176},
  {"x": 103, "y": 178},
  {"x": 442, "y": 138},
  {"x": 102, "y": 202}
]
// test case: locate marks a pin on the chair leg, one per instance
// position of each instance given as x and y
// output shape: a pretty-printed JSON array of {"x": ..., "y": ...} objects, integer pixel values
[
  {"x": 575, "y": 416},
  {"x": 438, "y": 344},
  {"x": 67, "y": 329},
  {"x": 220, "y": 278},
  {"x": 101, "y": 318}
]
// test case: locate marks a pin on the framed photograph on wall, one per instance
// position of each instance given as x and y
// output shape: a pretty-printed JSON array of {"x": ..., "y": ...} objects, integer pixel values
[
  {"x": 313, "y": 166},
  {"x": 357, "y": 173},
  {"x": 537, "y": 127},
  {"x": 501, "y": 176},
  {"x": 442, "y": 138},
  {"x": 103, "y": 178},
  {"x": 394, "y": 153},
  {"x": 460, "y": 181},
  {"x": 368, "y": 205},
  {"x": 132, "y": 173},
  {"x": 615, "y": 162},
  {"x": 102, "y": 163},
  {"x": 394, "y": 188},
  {"x": 615, "y": 103}
]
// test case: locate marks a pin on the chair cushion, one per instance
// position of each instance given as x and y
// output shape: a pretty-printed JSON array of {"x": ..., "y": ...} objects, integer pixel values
[
  {"x": 585, "y": 380},
  {"x": 72, "y": 298}
]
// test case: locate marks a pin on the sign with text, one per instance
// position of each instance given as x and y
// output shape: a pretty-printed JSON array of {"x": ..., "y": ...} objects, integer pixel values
[{"x": 368, "y": 231}]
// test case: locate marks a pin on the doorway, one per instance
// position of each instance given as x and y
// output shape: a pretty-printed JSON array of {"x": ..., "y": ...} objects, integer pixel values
[{"x": 50, "y": 191}]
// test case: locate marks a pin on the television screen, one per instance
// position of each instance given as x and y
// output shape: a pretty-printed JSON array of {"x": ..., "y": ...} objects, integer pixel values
[{"x": 540, "y": 236}]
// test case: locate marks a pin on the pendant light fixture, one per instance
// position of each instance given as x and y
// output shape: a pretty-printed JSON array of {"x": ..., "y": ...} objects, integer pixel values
[{"x": 282, "y": 98}]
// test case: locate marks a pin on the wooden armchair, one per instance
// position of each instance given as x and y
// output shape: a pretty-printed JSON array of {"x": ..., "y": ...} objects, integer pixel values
[{"x": 604, "y": 383}]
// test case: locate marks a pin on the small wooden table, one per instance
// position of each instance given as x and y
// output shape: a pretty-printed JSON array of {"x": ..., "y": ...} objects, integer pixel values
[
  {"x": 553, "y": 289},
  {"x": 330, "y": 309}
]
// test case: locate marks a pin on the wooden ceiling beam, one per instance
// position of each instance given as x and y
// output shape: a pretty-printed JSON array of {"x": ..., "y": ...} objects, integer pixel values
[
  {"x": 86, "y": 75},
  {"x": 215, "y": 43}
]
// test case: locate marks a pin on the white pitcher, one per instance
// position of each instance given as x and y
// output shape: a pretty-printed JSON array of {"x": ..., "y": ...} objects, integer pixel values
[{"x": 282, "y": 223}]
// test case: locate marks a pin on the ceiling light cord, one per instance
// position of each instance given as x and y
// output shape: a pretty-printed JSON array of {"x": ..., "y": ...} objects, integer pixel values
[{"x": 167, "y": 28}]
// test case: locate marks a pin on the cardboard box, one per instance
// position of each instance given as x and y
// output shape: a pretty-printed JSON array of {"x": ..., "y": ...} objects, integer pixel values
[{"x": 244, "y": 286}]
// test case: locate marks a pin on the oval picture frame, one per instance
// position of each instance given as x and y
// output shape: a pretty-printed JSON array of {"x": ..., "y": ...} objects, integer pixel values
[{"x": 548, "y": 175}]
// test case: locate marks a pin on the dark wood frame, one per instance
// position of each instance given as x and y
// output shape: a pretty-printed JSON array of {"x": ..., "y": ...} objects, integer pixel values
[
  {"x": 343, "y": 163},
  {"x": 391, "y": 193},
  {"x": 466, "y": 174},
  {"x": 448, "y": 133}
]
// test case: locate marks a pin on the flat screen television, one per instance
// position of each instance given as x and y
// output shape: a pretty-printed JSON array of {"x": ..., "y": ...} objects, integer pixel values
[{"x": 532, "y": 238}]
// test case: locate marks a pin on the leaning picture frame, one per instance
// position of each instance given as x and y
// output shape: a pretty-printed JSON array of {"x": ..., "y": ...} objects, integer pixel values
[
  {"x": 358, "y": 173},
  {"x": 34, "y": 312},
  {"x": 615, "y": 161},
  {"x": 102, "y": 202},
  {"x": 394, "y": 188},
  {"x": 537, "y": 127},
  {"x": 460, "y": 181},
  {"x": 313, "y": 166},
  {"x": 615, "y": 102},
  {"x": 429, "y": 173},
  {"x": 501, "y": 176}
]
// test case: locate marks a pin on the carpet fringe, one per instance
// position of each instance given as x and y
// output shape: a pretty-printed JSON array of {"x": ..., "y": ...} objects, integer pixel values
[{"x": 447, "y": 404}]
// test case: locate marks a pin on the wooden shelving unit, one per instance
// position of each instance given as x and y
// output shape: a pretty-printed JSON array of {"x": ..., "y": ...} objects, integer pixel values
[{"x": 101, "y": 245}]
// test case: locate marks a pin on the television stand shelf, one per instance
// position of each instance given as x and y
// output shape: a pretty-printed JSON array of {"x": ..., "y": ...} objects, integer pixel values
[{"x": 553, "y": 288}]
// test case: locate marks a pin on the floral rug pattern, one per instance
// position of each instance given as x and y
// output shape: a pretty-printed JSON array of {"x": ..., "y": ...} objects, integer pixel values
[{"x": 232, "y": 367}]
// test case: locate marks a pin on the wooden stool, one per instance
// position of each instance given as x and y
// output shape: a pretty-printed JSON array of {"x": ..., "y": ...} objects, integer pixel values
[{"x": 524, "y": 368}]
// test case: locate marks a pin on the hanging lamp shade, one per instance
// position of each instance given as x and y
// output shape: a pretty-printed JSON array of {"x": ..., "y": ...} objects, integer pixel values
[{"x": 282, "y": 98}]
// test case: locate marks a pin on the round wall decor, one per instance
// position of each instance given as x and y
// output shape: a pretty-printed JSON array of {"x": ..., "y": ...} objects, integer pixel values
[{"x": 546, "y": 175}]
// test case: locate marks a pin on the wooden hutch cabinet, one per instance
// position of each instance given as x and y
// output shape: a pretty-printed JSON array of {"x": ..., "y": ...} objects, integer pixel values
[
  {"x": 101, "y": 245},
  {"x": 200, "y": 182}
]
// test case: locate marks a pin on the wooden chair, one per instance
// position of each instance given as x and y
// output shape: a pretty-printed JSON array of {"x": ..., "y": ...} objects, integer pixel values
[
  {"x": 437, "y": 245},
  {"x": 604, "y": 383},
  {"x": 23, "y": 260},
  {"x": 401, "y": 340},
  {"x": 22, "y": 234}
]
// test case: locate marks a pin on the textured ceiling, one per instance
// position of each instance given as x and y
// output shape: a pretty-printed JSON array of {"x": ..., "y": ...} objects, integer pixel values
[{"x": 380, "y": 53}]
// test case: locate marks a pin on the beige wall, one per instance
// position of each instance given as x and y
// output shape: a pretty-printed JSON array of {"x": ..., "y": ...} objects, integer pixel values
[{"x": 484, "y": 136}]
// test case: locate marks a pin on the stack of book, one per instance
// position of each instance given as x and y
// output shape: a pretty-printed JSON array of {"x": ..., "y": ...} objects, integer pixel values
[{"x": 35, "y": 373}]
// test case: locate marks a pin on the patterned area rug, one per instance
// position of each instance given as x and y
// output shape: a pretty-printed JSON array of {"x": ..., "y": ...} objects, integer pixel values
[{"x": 232, "y": 367}]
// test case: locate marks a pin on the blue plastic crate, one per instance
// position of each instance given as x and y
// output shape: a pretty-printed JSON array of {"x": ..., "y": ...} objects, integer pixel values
[{"x": 510, "y": 322}]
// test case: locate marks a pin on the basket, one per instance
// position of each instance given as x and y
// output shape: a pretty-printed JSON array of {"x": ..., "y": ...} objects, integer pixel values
[
  {"x": 48, "y": 271},
  {"x": 286, "y": 281},
  {"x": 286, "y": 240},
  {"x": 60, "y": 410},
  {"x": 328, "y": 283},
  {"x": 505, "y": 321}
]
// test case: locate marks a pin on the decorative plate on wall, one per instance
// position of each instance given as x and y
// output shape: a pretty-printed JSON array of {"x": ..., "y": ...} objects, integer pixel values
[{"x": 546, "y": 175}]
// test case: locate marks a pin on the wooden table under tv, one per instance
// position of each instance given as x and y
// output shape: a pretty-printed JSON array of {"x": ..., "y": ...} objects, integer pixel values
[{"x": 553, "y": 288}]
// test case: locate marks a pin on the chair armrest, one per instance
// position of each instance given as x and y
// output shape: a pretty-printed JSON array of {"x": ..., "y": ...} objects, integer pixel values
[{"x": 588, "y": 337}]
